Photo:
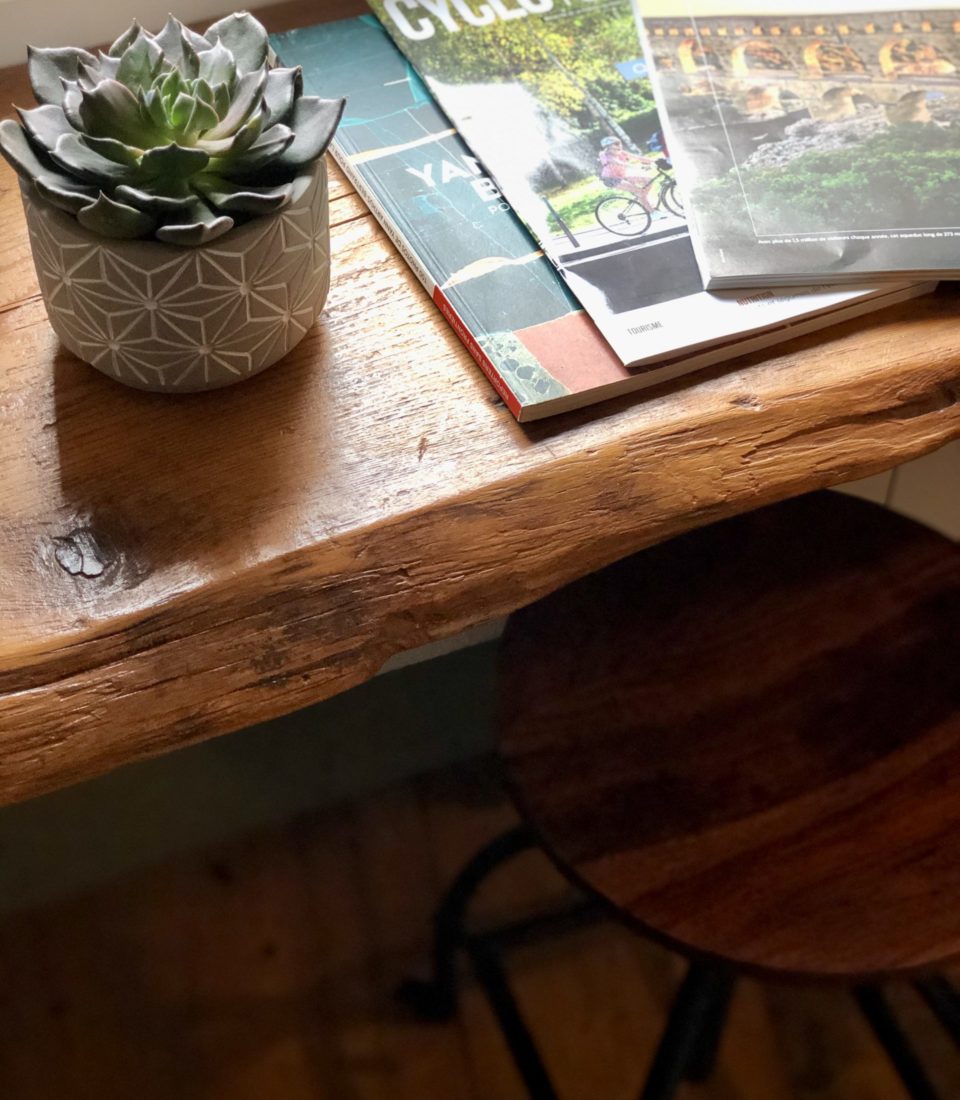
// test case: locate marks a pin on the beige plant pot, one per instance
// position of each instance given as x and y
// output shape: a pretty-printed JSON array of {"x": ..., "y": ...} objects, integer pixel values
[{"x": 162, "y": 317}]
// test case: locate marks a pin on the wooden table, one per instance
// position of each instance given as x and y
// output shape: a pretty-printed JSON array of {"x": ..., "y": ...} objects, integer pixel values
[{"x": 172, "y": 569}]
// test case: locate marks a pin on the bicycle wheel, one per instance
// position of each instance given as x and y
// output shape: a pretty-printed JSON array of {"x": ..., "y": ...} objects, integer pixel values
[
  {"x": 672, "y": 200},
  {"x": 622, "y": 215}
]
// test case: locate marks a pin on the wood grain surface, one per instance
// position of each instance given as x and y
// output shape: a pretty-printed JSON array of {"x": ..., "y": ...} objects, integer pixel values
[
  {"x": 269, "y": 965},
  {"x": 171, "y": 568},
  {"x": 748, "y": 740}
]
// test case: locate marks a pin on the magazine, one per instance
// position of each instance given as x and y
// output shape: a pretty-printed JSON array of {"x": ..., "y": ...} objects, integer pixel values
[
  {"x": 480, "y": 266},
  {"x": 555, "y": 99},
  {"x": 819, "y": 141},
  {"x": 505, "y": 301}
]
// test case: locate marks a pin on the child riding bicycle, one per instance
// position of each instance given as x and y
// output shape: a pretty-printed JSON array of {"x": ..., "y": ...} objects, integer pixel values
[{"x": 623, "y": 171}]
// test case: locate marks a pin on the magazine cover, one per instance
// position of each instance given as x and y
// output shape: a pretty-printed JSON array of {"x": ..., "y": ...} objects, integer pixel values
[
  {"x": 554, "y": 97},
  {"x": 818, "y": 141},
  {"x": 482, "y": 268}
]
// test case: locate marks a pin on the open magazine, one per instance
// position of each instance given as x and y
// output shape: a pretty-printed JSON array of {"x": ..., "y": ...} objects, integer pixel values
[
  {"x": 816, "y": 141},
  {"x": 555, "y": 100}
]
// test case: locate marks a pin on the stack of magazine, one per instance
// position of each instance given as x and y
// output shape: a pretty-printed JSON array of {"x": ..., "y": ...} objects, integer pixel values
[{"x": 594, "y": 216}]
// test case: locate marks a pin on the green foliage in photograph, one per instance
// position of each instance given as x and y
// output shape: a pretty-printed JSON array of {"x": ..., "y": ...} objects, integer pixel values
[
  {"x": 576, "y": 204},
  {"x": 906, "y": 176},
  {"x": 548, "y": 57}
]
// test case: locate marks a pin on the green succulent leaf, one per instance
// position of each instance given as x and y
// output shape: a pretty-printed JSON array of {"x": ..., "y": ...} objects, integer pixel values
[
  {"x": 151, "y": 110},
  {"x": 313, "y": 122},
  {"x": 171, "y": 86},
  {"x": 224, "y": 195},
  {"x": 203, "y": 91},
  {"x": 112, "y": 150},
  {"x": 249, "y": 132},
  {"x": 17, "y": 151},
  {"x": 154, "y": 201},
  {"x": 65, "y": 195},
  {"x": 181, "y": 112},
  {"x": 172, "y": 162},
  {"x": 45, "y": 125},
  {"x": 199, "y": 42},
  {"x": 108, "y": 65},
  {"x": 87, "y": 77},
  {"x": 238, "y": 142},
  {"x": 140, "y": 63},
  {"x": 195, "y": 226},
  {"x": 189, "y": 59},
  {"x": 81, "y": 161},
  {"x": 115, "y": 219},
  {"x": 48, "y": 67},
  {"x": 127, "y": 39},
  {"x": 217, "y": 65},
  {"x": 173, "y": 134},
  {"x": 204, "y": 117},
  {"x": 23, "y": 159},
  {"x": 57, "y": 189},
  {"x": 244, "y": 37},
  {"x": 72, "y": 98},
  {"x": 221, "y": 99},
  {"x": 111, "y": 110},
  {"x": 246, "y": 97},
  {"x": 264, "y": 151},
  {"x": 173, "y": 36},
  {"x": 279, "y": 92}
]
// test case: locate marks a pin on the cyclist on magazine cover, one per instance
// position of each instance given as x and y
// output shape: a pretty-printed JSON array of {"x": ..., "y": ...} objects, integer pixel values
[{"x": 625, "y": 171}]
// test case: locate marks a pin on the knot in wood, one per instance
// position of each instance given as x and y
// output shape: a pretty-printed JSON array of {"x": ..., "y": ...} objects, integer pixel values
[{"x": 80, "y": 554}]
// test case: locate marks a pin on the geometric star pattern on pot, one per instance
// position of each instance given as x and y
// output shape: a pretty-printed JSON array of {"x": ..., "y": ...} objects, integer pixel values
[{"x": 161, "y": 317}]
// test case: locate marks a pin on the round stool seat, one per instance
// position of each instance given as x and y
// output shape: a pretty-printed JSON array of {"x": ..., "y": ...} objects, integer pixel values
[{"x": 747, "y": 740}]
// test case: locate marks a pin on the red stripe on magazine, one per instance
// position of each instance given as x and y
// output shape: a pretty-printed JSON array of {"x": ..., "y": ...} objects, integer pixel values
[{"x": 466, "y": 338}]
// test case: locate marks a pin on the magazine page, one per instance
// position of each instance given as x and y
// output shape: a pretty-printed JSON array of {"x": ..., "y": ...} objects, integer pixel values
[
  {"x": 554, "y": 97},
  {"x": 817, "y": 140}
]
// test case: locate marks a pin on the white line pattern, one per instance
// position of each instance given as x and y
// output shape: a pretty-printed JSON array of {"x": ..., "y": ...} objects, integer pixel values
[{"x": 159, "y": 317}]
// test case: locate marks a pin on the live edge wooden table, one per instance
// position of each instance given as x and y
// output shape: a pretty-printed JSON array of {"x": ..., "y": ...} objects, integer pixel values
[{"x": 176, "y": 568}]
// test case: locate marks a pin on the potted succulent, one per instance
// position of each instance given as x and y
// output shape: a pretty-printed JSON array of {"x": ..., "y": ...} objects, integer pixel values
[{"x": 176, "y": 201}]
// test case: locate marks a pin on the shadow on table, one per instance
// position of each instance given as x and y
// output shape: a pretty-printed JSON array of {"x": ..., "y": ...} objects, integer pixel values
[{"x": 157, "y": 479}]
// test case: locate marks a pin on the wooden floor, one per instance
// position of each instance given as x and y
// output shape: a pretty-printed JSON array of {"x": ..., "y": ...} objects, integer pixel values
[{"x": 264, "y": 969}]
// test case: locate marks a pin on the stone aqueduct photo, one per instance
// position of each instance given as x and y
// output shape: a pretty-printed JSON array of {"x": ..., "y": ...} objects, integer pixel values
[
  {"x": 822, "y": 63},
  {"x": 832, "y": 122}
]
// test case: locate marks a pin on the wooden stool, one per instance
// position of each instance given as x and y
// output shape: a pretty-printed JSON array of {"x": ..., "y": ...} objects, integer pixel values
[{"x": 744, "y": 743}]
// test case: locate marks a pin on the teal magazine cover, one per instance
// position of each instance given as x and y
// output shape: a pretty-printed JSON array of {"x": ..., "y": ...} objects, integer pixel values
[{"x": 481, "y": 267}]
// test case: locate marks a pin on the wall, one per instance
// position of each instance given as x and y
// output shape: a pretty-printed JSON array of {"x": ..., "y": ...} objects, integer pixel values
[
  {"x": 90, "y": 22},
  {"x": 927, "y": 489}
]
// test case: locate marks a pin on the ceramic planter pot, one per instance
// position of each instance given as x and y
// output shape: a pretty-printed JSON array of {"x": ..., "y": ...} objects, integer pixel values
[{"x": 162, "y": 317}]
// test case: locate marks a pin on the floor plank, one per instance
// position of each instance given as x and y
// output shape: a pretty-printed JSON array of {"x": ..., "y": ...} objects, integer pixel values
[{"x": 264, "y": 968}]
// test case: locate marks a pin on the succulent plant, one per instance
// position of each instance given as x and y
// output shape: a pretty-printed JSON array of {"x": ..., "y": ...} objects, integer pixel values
[{"x": 176, "y": 135}]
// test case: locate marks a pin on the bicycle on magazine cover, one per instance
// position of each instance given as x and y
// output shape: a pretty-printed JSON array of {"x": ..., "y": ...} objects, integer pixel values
[{"x": 621, "y": 212}]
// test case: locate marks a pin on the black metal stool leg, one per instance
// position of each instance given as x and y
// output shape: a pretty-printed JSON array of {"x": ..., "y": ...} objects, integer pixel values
[
  {"x": 493, "y": 981},
  {"x": 943, "y": 1001},
  {"x": 436, "y": 998},
  {"x": 692, "y": 1033},
  {"x": 894, "y": 1041},
  {"x": 704, "y": 1058}
]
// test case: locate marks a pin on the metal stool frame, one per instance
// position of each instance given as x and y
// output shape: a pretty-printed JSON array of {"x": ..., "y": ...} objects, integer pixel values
[{"x": 693, "y": 1030}]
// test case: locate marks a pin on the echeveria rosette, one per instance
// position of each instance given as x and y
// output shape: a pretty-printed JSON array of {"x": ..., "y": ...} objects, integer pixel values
[{"x": 176, "y": 135}]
